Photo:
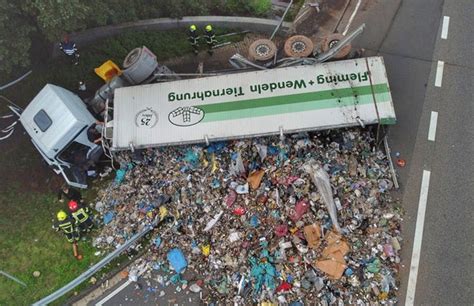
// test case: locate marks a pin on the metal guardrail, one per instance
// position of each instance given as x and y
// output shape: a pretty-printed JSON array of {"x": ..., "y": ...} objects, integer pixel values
[
  {"x": 16, "y": 81},
  {"x": 92, "y": 270}
]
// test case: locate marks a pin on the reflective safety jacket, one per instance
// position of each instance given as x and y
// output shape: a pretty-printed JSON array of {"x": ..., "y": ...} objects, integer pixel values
[
  {"x": 67, "y": 226},
  {"x": 81, "y": 215}
]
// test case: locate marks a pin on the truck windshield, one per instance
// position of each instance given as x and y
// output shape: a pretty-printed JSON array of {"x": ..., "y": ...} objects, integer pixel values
[{"x": 75, "y": 153}]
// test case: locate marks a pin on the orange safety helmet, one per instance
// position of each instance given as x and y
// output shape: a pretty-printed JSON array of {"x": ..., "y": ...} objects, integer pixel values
[{"x": 73, "y": 206}]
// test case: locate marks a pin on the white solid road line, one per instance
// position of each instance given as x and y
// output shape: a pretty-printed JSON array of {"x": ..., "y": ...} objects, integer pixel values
[
  {"x": 352, "y": 17},
  {"x": 444, "y": 30},
  {"x": 113, "y": 293},
  {"x": 439, "y": 74},
  {"x": 433, "y": 124},
  {"x": 420, "y": 222}
]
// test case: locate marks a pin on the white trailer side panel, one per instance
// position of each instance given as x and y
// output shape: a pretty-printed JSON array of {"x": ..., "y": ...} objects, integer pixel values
[{"x": 255, "y": 103}]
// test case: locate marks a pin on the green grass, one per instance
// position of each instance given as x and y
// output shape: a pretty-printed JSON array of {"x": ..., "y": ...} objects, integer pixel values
[{"x": 29, "y": 244}]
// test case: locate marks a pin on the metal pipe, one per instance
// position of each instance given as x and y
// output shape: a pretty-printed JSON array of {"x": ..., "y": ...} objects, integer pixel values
[
  {"x": 16, "y": 81},
  {"x": 281, "y": 20},
  {"x": 221, "y": 45},
  {"x": 239, "y": 59},
  {"x": 390, "y": 162},
  {"x": 233, "y": 33},
  {"x": 12, "y": 278}
]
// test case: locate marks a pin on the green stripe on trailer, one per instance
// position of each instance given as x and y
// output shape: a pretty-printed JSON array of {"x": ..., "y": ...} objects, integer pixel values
[
  {"x": 268, "y": 110},
  {"x": 336, "y": 95}
]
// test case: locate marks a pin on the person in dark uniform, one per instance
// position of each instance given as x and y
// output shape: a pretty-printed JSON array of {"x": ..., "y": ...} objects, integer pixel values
[
  {"x": 193, "y": 38},
  {"x": 94, "y": 132},
  {"x": 82, "y": 216},
  {"x": 66, "y": 224},
  {"x": 210, "y": 37},
  {"x": 69, "y": 48},
  {"x": 69, "y": 193}
]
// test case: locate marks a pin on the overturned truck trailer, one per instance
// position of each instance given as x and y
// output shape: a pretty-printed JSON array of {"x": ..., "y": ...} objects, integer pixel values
[{"x": 282, "y": 100}]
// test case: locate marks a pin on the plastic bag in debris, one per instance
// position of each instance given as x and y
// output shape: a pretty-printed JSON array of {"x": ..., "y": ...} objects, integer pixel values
[
  {"x": 237, "y": 165},
  {"x": 108, "y": 217},
  {"x": 321, "y": 180},
  {"x": 120, "y": 175},
  {"x": 213, "y": 221},
  {"x": 177, "y": 260},
  {"x": 262, "y": 151}
]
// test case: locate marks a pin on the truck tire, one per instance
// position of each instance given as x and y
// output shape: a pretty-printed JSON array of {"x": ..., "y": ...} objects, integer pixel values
[
  {"x": 131, "y": 58},
  {"x": 298, "y": 46},
  {"x": 262, "y": 50},
  {"x": 330, "y": 41}
]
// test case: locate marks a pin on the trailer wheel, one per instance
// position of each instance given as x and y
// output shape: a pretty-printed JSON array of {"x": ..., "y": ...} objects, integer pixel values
[
  {"x": 131, "y": 58},
  {"x": 262, "y": 50},
  {"x": 331, "y": 40},
  {"x": 298, "y": 46}
]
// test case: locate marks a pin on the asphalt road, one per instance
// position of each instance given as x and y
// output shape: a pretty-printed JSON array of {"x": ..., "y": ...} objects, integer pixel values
[
  {"x": 412, "y": 47},
  {"x": 445, "y": 273}
]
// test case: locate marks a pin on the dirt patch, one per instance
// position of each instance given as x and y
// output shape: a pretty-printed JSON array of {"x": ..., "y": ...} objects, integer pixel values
[
  {"x": 21, "y": 165},
  {"x": 335, "y": 4},
  {"x": 312, "y": 23},
  {"x": 220, "y": 59}
]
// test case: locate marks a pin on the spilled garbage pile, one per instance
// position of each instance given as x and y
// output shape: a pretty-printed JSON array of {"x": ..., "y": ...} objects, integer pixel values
[{"x": 306, "y": 219}]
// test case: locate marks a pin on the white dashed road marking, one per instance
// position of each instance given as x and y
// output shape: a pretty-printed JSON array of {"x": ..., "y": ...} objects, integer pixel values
[
  {"x": 439, "y": 74},
  {"x": 420, "y": 222},
  {"x": 445, "y": 28},
  {"x": 113, "y": 293},
  {"x": 433, "y": 124}
]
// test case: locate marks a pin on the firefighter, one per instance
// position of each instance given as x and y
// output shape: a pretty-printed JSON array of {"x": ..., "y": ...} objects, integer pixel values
[
  {"x": 66, "y": 224},
  {"x": 210, "y": 37},
  {"x": 193, "y": 38},
  {"x": 81, "y": 215},
  {"x": 69, "y": 49}
]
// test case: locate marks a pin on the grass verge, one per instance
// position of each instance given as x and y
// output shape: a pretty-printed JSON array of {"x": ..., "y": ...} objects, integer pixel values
[{"x": 29, "y": 244}]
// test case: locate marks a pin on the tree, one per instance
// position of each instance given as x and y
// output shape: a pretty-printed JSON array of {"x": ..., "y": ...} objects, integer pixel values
[
  {"x": 15, "y": 40},
  {"x": 56, "y": 17}
]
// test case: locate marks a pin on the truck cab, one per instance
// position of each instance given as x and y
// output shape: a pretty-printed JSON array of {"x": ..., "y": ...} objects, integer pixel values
[{"x": 57, "y": 121}]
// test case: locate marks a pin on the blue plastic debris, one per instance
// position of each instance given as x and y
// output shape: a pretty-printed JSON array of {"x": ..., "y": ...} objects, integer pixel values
[
  {"x": 120, "y": 175},
  {"x": 272, "y": 150},
  {"x": 254, "y": 222},
  {"x": 217, "y": 147},
  {"x": 215, "y": 184},
  {"x": 108, "y": 217},
  {"x": 177, "y": 260},
  {"x": 157, "y": 241},
  {"x": 349, "y": 272},
  {"x": 191, "y": 157},
  {"x": 263, "y": 273},
  {"x": 175, "y": 278}
]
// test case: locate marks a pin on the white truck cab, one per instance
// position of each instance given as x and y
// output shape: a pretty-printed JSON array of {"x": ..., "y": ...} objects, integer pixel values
[{"x": 57, "y": 121}]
